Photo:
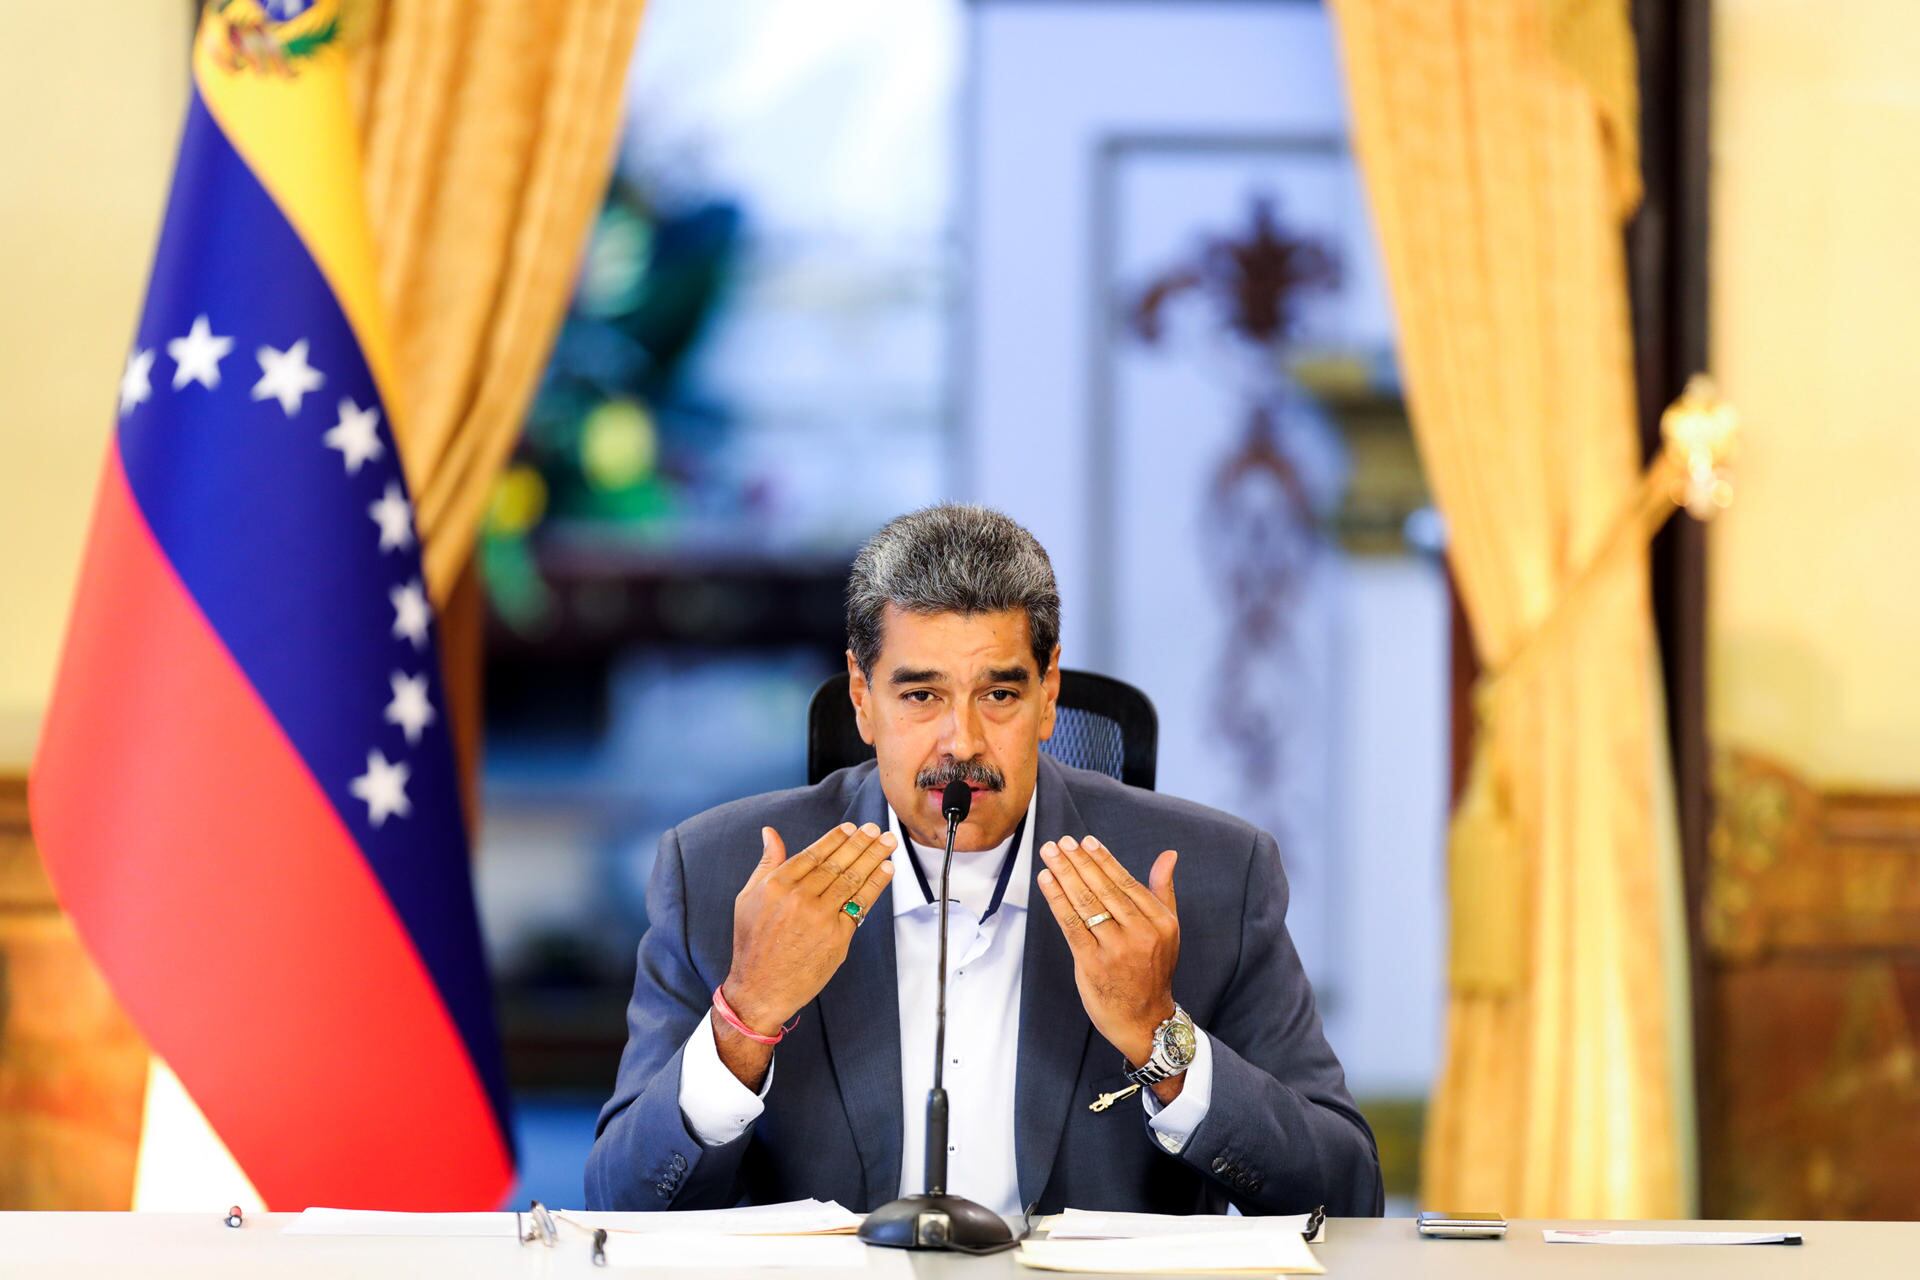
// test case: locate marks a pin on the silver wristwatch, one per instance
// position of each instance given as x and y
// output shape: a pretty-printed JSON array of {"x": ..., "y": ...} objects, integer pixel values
[{"x": 1173, "y": 1050}]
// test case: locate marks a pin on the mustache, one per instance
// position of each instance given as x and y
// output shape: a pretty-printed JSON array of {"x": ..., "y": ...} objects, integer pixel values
[{"x": 975, "y": 773}]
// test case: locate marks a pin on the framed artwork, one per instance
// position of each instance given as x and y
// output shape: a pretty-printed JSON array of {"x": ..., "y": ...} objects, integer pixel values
[
  {"x": 1107, "y": 147},
  {"x": 1220, "y": 262}
]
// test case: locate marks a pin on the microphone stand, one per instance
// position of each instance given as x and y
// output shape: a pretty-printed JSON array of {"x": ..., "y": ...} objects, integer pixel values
[{"x": 935, "y": 1220}]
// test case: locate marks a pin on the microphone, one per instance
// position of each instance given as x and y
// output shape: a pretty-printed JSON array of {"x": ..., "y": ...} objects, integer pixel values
[
  {"x": 936, "y": 1220},
  {"x": 956, "y": 802}
]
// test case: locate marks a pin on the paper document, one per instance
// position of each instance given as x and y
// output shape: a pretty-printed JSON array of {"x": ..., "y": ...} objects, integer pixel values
[
  {"x": 791, "y": 1218},
  {"x": 1671, "y": 1237},
  {"x": 1087, "y": 1224},
  {"x": 684, "y": 1251},
  {"x": 1197, "y": 1253},
  {"x": 376, "y": 1222}
]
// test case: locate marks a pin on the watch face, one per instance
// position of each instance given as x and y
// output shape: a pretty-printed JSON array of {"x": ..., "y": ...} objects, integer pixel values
[{"x": 1179, "y": 1040}]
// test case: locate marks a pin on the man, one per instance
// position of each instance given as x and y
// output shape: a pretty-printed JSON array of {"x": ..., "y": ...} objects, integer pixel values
[{"x": 781, "y": 1028}]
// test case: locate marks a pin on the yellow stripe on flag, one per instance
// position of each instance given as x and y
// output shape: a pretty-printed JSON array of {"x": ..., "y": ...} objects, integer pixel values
[{"x": 284, "y": 107}]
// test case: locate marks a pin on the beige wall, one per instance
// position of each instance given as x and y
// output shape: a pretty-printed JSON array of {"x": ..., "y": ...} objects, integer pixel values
[
  {"x": 1815, "y": 608},
  {"x": 93, "y": 105}
]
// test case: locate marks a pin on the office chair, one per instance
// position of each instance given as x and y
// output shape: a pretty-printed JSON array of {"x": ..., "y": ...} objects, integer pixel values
[{"x": 1100, "y": 723}]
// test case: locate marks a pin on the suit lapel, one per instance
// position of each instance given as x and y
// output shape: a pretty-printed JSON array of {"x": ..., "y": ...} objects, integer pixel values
[
  {"x": 860, "y": 1022},
  {"x": 1054, "y": 1028}
]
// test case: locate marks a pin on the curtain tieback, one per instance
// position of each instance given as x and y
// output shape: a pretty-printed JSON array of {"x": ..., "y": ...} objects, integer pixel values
[{"x": 1486, "y": 868}]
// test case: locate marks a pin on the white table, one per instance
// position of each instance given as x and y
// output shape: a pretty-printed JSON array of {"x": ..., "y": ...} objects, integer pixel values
[{"x": 202, "y": 1247}]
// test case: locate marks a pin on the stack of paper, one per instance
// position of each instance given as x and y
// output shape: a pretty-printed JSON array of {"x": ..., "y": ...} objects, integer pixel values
[
  {"x": 376, "y": 1222},
  {"x": 1263, "y": 1250},
  {"x": 791, "y": 1218},
  {"x": 804, "y": 1234},
  {"x": 1086, "y": 1224},
  {"x": 683, "y": 1251}
]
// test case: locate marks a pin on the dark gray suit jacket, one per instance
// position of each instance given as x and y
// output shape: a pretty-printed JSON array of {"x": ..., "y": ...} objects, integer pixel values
[{"x": 1281, "y": 1134}]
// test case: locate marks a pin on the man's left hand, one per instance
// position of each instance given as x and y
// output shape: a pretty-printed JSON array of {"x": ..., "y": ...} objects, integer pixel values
[{"x": 1123, "y": 965}]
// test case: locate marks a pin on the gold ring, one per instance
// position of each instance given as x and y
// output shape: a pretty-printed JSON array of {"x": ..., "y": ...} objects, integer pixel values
[{"x": 1102, "y": 918}]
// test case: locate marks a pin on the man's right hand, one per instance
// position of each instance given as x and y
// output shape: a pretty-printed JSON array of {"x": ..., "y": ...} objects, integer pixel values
[{"x": 791, "y": 933}]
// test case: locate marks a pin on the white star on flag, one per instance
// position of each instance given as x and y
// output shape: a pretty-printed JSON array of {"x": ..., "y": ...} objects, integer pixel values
[
  {"x": 410, "y": 613},
  {"x": 286, "y": 376},
  {"x": 410, "y": 708},
  {"x": 135, "y": 386},
  {"x": 384, "y": 787},
  {"x": 394, "y": 514},
  {"x": 354, "y": 435},
  {"x": 197, "y": 355}
]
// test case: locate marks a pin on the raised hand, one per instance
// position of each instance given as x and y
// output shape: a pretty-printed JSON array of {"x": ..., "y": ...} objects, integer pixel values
[
  {"x": 1123, "y": 963},
  {"x": 791, "y": 929}
]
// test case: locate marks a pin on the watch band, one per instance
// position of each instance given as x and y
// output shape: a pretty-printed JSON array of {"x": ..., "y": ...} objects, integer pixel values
[
  {"x": 1160, "y": 1064},
  {"x": 1152, "y": 1071}
]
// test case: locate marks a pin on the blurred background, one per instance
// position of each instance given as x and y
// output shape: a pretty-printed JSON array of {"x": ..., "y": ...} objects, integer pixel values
[{"x": 1112, "y": 267}]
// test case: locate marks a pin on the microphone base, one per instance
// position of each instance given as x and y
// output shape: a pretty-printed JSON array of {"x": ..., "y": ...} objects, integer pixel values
[{"x": 937, "y": 1223}]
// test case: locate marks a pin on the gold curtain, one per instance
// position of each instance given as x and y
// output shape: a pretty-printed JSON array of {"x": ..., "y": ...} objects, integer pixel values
[
  {"x": 1497, "y": 140},
  {"x": 488, "y": 128}
]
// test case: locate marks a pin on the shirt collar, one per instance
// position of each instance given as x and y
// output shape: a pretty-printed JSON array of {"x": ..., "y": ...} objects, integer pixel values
[{"x": 1018, "y": 886}]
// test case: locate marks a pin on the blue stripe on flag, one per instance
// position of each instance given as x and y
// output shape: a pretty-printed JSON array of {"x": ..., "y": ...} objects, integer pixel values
[{"x": 274, "y": 538}]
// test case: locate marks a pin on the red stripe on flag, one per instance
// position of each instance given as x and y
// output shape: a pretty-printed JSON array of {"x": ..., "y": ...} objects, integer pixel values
[{"x": 232, "y": 913}]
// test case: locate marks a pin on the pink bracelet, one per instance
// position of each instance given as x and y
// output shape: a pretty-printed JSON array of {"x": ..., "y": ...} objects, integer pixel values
[{"x": 733, "y": 1020}]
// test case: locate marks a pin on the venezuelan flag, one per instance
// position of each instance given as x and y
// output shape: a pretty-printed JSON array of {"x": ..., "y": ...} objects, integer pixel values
[{"x": 245, "y": 793}]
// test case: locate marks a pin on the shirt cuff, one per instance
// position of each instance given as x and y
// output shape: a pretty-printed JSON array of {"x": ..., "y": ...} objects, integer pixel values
[
  {"x": 713, "y": 1102},
  {"x": 1174, "y": 1122}
]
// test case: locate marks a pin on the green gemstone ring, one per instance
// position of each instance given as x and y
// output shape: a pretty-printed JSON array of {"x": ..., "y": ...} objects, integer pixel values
[{"x": 853, "y": 909}]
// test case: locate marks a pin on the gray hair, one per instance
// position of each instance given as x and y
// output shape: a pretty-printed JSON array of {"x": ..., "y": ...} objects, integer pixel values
[{"x": 951, "y": 559}]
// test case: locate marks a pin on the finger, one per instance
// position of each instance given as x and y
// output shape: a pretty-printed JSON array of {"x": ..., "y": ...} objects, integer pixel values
[
  {"x": 1078, "y": 937},
  {"x": 796, "y": 868},
  {"x": 1113, "y": 898},
  {"x": 856, "y": 875},
  {"x": 1161, "y": 878},
  {"x": 833, "y": 874},
  {"x": 876, "y": 884},
  {"x": 773, "y": 852},
  {"x": 1121, "y": 878},
  {"x": 1082, "y": 899}
]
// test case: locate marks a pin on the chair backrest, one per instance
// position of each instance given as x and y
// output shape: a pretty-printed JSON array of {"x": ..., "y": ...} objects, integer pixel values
[{"x": 1101, "y": 723}]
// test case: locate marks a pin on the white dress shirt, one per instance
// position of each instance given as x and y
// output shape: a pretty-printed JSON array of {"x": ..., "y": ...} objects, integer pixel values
[{"x": 984, "y": 962}]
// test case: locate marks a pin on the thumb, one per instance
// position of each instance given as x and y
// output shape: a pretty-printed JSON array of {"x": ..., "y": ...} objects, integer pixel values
[
  {"x": 1160, "y": 879},
  {"x": 773, "y": 852}
]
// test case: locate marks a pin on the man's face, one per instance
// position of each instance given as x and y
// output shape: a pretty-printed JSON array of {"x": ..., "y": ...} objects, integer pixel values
[{"x": 956, "y": 696}]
